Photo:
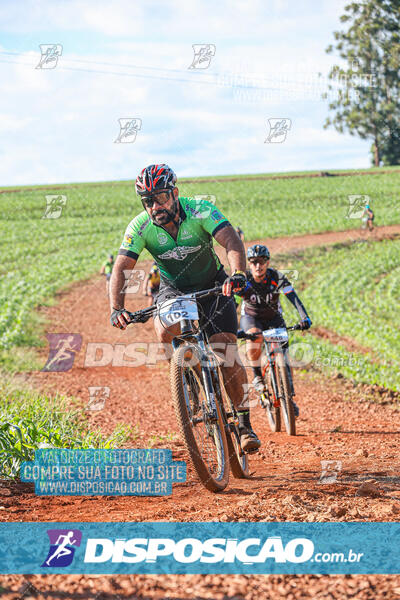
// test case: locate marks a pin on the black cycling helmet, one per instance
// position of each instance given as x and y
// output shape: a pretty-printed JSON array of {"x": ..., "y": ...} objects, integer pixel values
[
  {"x": 258, "y": 250},
  {"x": 155, "y": 178}
]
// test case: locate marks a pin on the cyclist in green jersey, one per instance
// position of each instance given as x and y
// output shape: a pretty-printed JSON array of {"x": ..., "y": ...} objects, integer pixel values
[
  {"x": 178, "y": 234},
  {"x": 106, "y": 269}
]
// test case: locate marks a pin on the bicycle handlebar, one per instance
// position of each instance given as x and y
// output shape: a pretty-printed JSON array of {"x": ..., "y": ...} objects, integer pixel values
[
  {"x": 253, "y": 336},
  {"x": 141, "y": 316}
]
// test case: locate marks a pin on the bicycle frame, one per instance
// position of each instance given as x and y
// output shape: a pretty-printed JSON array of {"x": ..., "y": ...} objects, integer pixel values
[
  {"x": 270, "y": 349},
  {"x": 205, "y": 357},
  {"x": 209, "y": 370}
]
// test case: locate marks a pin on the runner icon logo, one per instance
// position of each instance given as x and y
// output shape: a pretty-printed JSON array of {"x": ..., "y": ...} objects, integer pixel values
[
  {"x": 61, "y": 551},
  {"x": 203, "y": 54},
  {"x": 63, "y": 347},
  {"x": 278, "y": 129},
  {"x": 54, "y": 206},
  {"x": 128, "y": 128},
  {"x": 357, "y": 204},
  {"x": 50, "y": 54}
]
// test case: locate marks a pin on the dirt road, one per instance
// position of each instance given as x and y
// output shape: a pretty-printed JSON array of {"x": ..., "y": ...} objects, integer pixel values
[{"x": 337, "y": 422}]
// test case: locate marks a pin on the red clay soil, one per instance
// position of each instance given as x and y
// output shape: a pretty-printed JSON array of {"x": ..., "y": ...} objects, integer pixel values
[
  {"x": 337, "y": 422},
  {"x": 299, "y": 242}
]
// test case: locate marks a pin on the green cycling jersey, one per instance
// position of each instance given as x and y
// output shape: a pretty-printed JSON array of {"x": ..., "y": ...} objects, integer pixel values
[
  {"x": 189, "y": 262},
  {"x": 108, "y": 266}
]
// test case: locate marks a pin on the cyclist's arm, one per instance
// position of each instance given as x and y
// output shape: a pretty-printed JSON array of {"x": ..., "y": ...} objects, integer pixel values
[
  {"x": 297, "y": 303},
  {"x": 286, "y": 288},
  {"x": 102, "y": 269},
  {"x": 229, "y": 239},
  {"x": 217, "y": 225},
  {"x": 132, "y": 245},
  {"x": 117, "y": 282}
]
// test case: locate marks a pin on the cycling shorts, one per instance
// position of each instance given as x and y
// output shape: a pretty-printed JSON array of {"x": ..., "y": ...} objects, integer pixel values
[
  {"x": 154, "y": 290},
  {"x": 217, "y": 314},
  {"x": 247, "y": 322}
]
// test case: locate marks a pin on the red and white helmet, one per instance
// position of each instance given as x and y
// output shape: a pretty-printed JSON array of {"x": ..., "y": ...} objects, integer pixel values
[{"x": 155, "y": 178}]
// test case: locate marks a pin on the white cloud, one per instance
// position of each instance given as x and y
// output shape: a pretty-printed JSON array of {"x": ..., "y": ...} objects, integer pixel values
[{"x": 61, "y": 124}]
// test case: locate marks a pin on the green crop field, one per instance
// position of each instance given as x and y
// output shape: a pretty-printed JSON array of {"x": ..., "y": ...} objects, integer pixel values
[
  {"x": 42, "y": 255},
  {"x": 353, "y": 290}
]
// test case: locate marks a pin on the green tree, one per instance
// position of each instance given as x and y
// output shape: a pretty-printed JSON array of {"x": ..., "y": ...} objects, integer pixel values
[{"x": 364, "y": 90}]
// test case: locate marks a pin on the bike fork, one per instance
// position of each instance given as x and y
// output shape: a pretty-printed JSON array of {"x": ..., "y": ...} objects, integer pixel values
[
  {"x": 209, "y": 390},
  {"x": 271, "y": 365}
]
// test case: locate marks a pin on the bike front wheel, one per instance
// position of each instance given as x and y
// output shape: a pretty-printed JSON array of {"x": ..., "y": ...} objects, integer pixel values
[
  {"x": 238, "y": 460},
  {"x": 201, "y": 425},
  {"x": 283, "y": 381}
]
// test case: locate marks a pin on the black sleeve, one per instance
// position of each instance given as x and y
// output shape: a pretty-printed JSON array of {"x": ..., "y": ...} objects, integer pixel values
[
  {"x": 287, "y": 288},
  {"x": 297, "y": 303}
]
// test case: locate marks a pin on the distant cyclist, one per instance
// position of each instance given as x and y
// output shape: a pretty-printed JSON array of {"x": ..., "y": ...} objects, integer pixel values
[
  {"x": 178, "y": 232},
  {"x": 152, "y": 283},
  {"x": 369, "y": 217},
  {"x": 261, "y": 307},
  {"x": 240, "y": 233},
  {"x": 106, "y": 269}
]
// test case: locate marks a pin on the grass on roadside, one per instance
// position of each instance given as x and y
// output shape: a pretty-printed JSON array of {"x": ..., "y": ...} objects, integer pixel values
[
  {"x": 30, "y": 420},
  {"x": 354, "y": 291}
]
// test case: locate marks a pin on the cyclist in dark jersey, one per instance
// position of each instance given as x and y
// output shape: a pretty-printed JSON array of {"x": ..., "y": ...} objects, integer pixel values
[
  {"x": 178, "y": 234},
  {"x": 369, "y": 215},
  {"x": 261, "y": 307}
]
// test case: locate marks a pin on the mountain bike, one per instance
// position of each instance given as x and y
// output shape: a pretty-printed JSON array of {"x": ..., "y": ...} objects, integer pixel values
[
  {"x": 207, "y": 418},
  {"x": 277, "y": 375}
]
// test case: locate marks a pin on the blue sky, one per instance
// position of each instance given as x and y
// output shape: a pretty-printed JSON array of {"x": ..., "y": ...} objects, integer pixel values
[{"x": 124, "y": 59}]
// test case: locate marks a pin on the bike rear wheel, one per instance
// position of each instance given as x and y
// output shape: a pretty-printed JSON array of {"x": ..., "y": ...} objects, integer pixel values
[
  {"x": 202, "y": 431},
  {"x": 238, "y": 460},
  {"x": 285, "y": 394}
]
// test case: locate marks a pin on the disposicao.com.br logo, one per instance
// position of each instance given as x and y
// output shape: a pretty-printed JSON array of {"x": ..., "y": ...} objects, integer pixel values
[
  {"x": 212, "y": 550},
  {"x": 163, "y": 554}
]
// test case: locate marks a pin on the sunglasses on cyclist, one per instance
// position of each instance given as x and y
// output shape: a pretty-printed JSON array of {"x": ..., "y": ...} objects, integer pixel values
[
  {"x": 161, "y": 198},
  {"x": 254, "y": 261}
]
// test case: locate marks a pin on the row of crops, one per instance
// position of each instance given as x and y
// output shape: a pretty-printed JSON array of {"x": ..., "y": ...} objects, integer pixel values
[{"x": 353, "y": 290}]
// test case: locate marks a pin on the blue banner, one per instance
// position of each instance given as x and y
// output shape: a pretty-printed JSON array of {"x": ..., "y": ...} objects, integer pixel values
[
  {"x": 130, "y": 472},
  {"x": 208, "y": 548}
]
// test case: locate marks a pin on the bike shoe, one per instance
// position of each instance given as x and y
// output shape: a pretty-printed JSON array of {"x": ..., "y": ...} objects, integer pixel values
[
  {"x": 249, "y": 440},
  {"x": 296, "y": 408},
  {"x": 258, "y": 384}
]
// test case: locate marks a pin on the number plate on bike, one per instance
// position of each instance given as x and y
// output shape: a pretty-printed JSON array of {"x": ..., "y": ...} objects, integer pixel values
[
  {"x": 279, "y": 334},
  {"x": 176, "y": 309}
]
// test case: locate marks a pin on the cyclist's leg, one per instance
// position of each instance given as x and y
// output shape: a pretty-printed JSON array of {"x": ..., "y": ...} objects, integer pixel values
[
  {"x": 235, "y": 383},
  {"x": 233, "y": 371},
  {"x": 165, "y": 334},
  {"x": 220, "y": 324},
  {"x": 254, "y": 348}
]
